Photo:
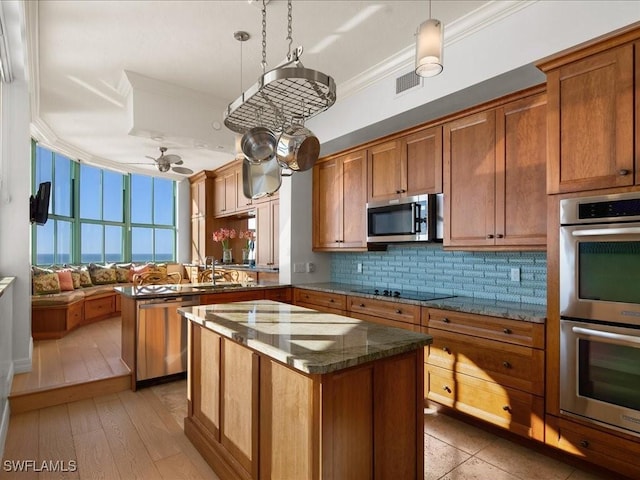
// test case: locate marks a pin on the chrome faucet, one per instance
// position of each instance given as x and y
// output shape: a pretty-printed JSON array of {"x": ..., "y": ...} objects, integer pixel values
[{"x": 213, "y": 268}]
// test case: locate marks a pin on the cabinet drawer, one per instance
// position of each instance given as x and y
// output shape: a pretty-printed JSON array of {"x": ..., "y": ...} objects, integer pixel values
[
  {"x": 510, "y": 365},
  {"x": 606, "y": 450},
  {"x": 278, "y": 294},
  {"x": 384, "y": 321},
  {"x": 74, "y": 315},
  {"x": 503, "y": 329},
  {"x": 519, "y": 412},
  {"x": 321, "y": 309},
  {"x": 229, "y": 297},
  {"x": 322, "y": 299},
  {"x": 98, "y": 307},
  {"x": 402, "y": 312}
]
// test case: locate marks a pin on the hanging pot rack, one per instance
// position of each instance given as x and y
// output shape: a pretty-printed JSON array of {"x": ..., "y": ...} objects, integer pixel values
[{"x": 278, "y": 94}]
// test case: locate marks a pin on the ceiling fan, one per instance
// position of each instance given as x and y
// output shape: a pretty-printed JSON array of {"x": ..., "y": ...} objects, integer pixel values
[{"x": 165, "y": 162}]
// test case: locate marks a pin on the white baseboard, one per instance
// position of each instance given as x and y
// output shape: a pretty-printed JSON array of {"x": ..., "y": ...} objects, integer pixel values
[
  {"x": 5, "y": 412},
  {"x": 23, "y": 365}
]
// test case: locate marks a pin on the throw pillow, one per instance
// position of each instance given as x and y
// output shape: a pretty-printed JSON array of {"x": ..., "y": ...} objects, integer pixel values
[
  {"x": 137, "y": 269},
  {"x": 159, "y": 268},
  {"x": 122, "y": 271},
  {"x": 65, "y": 279},
  {"x": 45, "y": 283},
  {"x": 83, "y": 272},
  {"x": 101, "y": 275}
]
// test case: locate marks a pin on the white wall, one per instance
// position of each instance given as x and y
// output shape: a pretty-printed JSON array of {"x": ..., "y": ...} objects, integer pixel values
[{"x": 6, "y": 358}]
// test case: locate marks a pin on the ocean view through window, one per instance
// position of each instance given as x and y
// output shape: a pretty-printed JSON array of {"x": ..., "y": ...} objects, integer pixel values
[{"x": 100, "y": 216}]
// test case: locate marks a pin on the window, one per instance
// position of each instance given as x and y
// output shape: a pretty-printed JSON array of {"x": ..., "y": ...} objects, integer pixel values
[{"x": 117, "y": 217}]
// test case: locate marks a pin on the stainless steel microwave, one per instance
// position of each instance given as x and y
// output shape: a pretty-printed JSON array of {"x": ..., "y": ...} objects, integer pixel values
[{"x": 408, "y": 219}]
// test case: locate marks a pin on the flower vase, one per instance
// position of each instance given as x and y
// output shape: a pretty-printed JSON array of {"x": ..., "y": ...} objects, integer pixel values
[
  {"x": 245, "y": 255},
  {"x": 227, "y": 255}
]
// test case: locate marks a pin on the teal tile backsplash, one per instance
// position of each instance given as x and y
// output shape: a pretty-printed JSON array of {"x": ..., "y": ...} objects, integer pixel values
[{"x": 429, "y": 268}]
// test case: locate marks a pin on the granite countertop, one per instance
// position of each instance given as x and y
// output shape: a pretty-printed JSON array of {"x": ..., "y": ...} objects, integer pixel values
[
  {"x": 235, "y": 266},
  {"x": 190, "y": 289},
  {"x": 527, "y": 312},
  {"x": 307, "y": 340},
  {"x": 5, "y": 282}
]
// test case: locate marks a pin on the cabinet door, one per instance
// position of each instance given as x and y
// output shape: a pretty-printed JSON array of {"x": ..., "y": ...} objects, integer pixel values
[
  {"x": 242, "y": 202},
  {"x": 230, "y": 191},
  {"x": 422, "y": 161},
  {"x": 327, "y": 204},
  {"x": 385, "y": 171},
  {"x": 264, "y": 234},
  {"x": 200, "y": 239},
  {"x": 275, "y": 232},
  {"x": 195, "y": 202},
  {"x": 219, "y": 196},
  {"x": 354, "y": 201},
  {"x": 521, "y": 156},
  {"x": 591, "y": 115},
  {"x": 469, "y": 180},
  {"x": 205, "y": 379}
]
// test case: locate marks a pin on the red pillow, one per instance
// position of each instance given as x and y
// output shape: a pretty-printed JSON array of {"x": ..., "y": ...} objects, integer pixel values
[
  {"x": 137, "y": 269},
  {"x": 65, "y": 279}
]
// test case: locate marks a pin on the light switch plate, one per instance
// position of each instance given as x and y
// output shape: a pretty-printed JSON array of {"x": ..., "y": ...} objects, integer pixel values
[{"x": 515, "y": 274}]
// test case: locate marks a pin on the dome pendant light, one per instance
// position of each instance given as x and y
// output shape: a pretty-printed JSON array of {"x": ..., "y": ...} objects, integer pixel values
[{"x": 429, "y": 47}]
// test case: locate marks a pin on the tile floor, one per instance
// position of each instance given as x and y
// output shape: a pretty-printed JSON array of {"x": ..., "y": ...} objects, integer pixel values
[{"x": 453, "y": 450}]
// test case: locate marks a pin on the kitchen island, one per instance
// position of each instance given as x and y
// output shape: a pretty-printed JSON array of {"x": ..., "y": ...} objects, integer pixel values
[{"x": 277, "y": 391}]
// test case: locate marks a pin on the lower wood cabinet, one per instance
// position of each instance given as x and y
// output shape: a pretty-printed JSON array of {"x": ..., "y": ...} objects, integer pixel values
[
  {"x": 392, "y": 314},
  {"x": 324, "y": 301},
  {"x": 620, "y": 453},
  {"x": 488, "y": 367}
]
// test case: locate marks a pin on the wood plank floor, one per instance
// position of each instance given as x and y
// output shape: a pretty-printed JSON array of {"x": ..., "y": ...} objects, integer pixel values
[
  {"x": 116, "y": 436},
  {"x": 89, "y": 353}
]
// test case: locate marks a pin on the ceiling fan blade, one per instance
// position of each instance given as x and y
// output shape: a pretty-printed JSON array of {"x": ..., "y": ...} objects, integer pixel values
[
  {"x": 182, "y": 170},
  {"x": 151, "y": 158},
  {"x": 138, "y": 163},
  {"x": 171, "y": 158},
  {"x": 179, "y": 162}
]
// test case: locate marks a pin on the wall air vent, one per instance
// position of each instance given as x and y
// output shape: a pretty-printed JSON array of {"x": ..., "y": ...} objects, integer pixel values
[{"x": 407, "y": 81}]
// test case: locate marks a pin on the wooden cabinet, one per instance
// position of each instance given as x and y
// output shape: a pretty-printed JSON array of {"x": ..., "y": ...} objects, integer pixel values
[
  {"x": 323, "y": 301},
  {"x": 339, "y": 203},
  {"x": 224, "y": 202},
  {"x": 242, "y": 203},
  {"x": 591, "y": 120},
  {"x": 410, "y": 165},
  {"x": 620, "y": 453},
  {"x": 393, "y": 314},
  {"x": 495, "y": 160},
  {"x": 201, "y": 216},
  {"x": 488, "y": 367},
  {"x": 268, "y": 233}
]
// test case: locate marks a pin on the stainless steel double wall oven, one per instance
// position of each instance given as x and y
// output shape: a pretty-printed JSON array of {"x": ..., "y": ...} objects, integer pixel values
[{"x": 600, "y": 310}]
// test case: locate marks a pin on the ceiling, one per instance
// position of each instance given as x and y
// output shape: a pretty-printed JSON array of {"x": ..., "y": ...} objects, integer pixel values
[{"x": 115, "y": 80}]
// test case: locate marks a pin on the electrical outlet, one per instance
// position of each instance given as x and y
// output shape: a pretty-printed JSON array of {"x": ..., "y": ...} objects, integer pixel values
[
  {"x": 359, "y": 267},
  {"x": 515, "y": 274},
  {"x": 299, "y": 267},
  {"x": 311, "y": 267}
]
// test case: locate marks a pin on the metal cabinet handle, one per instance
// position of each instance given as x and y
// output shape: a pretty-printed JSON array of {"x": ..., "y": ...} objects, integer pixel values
[
  {"x": 446, "y": 349},
  {"x": 584, "y": 443},
  {"x": 362, "y": 305},
  {"x": 490, "y": 235},
  {"x": 506, "y": 330},
  {"x": 331, "y": 300},
  {"x": 446, "y": 388},
  {"x": 623, "y": 172},
  {"x": 398, "y": 191},
  {"x": 445, "y": 320},
  {"x": 506, "y": 364},
  {"x": 506, "y": 408},
  {"x": 398, "y": 311},
  {"x": 500, "y": 235}
]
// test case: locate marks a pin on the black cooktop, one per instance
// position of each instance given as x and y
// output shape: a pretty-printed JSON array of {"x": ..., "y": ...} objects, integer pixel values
[{"x": 420, "y": 296}]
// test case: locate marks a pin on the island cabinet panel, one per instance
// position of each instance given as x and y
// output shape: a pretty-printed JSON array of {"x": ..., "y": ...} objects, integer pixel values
[
  {"x": 289, "y": 421},
  {"x": 206, "y": 380},
  {"x": 239, "y": 401}
]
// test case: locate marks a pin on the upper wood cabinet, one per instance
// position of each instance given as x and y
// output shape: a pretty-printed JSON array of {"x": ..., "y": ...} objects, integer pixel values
[
  {"x": 591, "y": 115},
  {"x": 268, "y": 233},
  {"x": 494, "y": 177},
  {"x": 224, "y": 202},
  {"x": 201, "y": 193},
  {"x": 242, "y": 202},
  {"x": 409, "y": 165},
  {"x": 339, "y": 203},
  {"x": 201, "y": 215}
]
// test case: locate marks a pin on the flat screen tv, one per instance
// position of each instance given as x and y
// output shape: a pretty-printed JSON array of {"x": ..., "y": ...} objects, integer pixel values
[{"x": 40, "y": 204}]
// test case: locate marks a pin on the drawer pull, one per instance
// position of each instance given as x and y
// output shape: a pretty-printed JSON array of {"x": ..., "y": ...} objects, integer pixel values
[
  {"x": 362, "y": 305},
  {"x": 398, "y": 311},
  {"x": 507, "y": 408},
  {"x": 506, "y": 330},
  {"x": 500, "y": 235},
  {"x": 584, "y": 443},
  {"x": 446, "y": 349},
  {"x": 331, "y": 300},
  {"x": 506, "y": 364},
  {"x": 446, "y": 388},
  {"x": 623, "y": 172},
  {"x": 490, "y": 235},
  {"x": 445, "y": 320}
]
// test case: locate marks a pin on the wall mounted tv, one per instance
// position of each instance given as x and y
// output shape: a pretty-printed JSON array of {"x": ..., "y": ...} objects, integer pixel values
[{"x": 40, "y": 204}]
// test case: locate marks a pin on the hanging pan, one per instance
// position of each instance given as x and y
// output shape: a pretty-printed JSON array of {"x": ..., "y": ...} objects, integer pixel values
[
  {"x": 260, "y": 179},
  {"x": 298, "y": 148}
]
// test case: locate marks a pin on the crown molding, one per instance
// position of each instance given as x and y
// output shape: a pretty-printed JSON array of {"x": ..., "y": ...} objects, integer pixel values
[{"x": 479, "y": 19}]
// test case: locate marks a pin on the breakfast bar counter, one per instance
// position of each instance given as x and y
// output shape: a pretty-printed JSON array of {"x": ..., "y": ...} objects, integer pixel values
[{"x": 279, "y": 391}]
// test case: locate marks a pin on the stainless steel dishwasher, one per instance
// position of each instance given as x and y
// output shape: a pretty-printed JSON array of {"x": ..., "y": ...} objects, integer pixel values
[{"x": 161, "y": 347}]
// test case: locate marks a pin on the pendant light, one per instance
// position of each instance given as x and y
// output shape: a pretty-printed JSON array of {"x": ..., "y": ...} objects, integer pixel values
[{"x": 429, "y": 47}]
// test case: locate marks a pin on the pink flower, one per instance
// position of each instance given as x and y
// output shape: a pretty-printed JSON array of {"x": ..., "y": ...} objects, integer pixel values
[{"x": 223, "y": 235}]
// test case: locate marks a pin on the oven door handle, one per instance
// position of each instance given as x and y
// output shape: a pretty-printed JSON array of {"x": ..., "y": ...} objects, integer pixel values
[
  {"x": 608, "y": 337},
  {"x": 592, "y": 232}
]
